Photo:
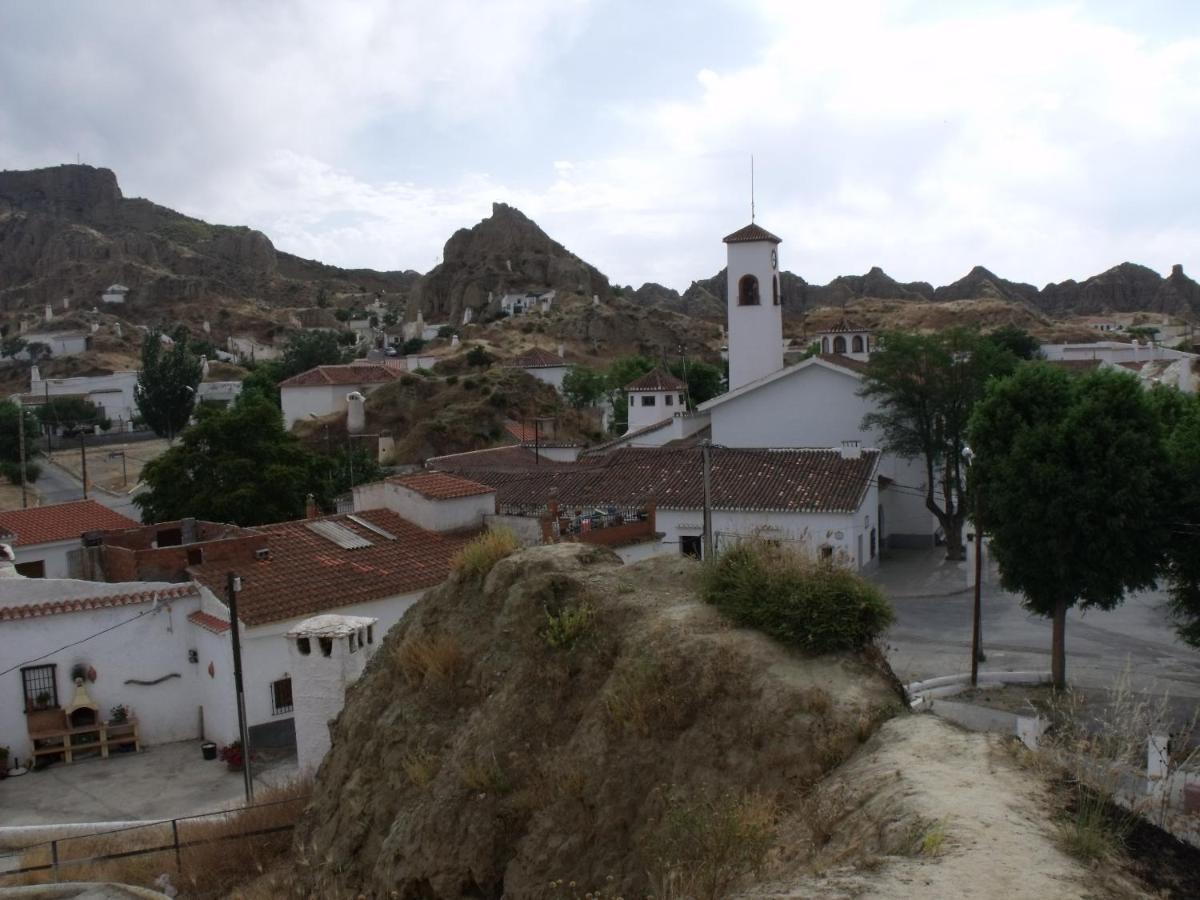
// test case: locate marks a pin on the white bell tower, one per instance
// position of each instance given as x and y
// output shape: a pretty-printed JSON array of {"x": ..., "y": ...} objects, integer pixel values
[{"x": 753, "y": 299}]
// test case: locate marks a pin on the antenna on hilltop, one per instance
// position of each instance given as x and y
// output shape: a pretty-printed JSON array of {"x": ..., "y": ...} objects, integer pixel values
[{"x": 751, "y": 188}]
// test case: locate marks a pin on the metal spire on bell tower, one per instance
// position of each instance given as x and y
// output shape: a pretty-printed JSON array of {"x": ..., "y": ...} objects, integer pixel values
[{"x": 752, "y": 188}]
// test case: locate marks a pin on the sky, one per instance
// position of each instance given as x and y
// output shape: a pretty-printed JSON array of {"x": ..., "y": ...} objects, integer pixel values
[{"x": 1042, "y": 140}]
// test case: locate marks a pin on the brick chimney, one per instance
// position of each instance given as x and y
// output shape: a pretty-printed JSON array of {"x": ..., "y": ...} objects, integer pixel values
[{"x": 310, "y": 507}]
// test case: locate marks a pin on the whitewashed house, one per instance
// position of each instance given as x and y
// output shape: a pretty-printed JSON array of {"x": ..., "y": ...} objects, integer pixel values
[
  {"x": 322, "y": 391},
  {"x": 114, "y": 294},
  {"x": 58, "y": 343},
  {"x": 543, "y": 365},
  {"x": 654, "y": 398},
  {"x": 846, "y": 340},
  {"x": 527, "y": 301},
  {"x": 114, "y": 393},
  {"x": 43, "y": 538}
]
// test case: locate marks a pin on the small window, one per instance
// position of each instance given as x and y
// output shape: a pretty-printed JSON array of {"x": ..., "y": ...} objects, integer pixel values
[
  {"x": 326, "y": 646},
  {"x": 824, "y": 345},
  {"x": 826, "y": 552},
  {"x": 40, "y": 687},
  {"x": 195, "y": 556},
  {"x": 304, "y": 645},
  {"x": 857, "y": 344},
  {"x": 748, "y": 291},
  {"x": 669, "y": 400},
  {"x": 281, "y": 696},
  {"x": 648, "y": 399},
  {"x": 370, "y": 634},
  {"x": 775, "y": 290},
  {"x": 169, "y": 537},
  {"x": 681, "y": 399},
  {"x": 839, "y": 344},
  {"x": 33, "y": 569},
  {"x": 691, "y": 545},
  {"x": 352, "y": 640}
]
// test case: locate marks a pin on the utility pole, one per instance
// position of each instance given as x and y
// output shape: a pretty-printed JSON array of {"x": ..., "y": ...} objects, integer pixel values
[
  {"x": 83, "y": 458},
  {"x": 537, "y": 432},
  {"x": 977, "y": 614},
  {"x": 706, "y": 454},
  {"x": 21, "y": 450},
  {"x": 233, "y": 584}
]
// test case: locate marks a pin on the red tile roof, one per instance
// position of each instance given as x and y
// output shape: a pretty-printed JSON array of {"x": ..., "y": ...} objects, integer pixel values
[
  {"x": 348, "y": 375},
  {"x": 750, "y": 233},
  {"x": 81, "y": 604},
  {"x": 1075, "y": 365},
  {"x": 846, "y": 362},
  {"x": 208, "y": 622},
  {"x": 61, "y": 522},
  {"x": 803, "y": 480},
  {"x": 440, "y": 486},
  {"x": 537, "y": 358},
  {"x": 307, "y": 573},
  {"x": 656, "y": 380}
]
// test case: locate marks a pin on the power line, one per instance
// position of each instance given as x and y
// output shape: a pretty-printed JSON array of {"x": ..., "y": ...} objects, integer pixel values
[{"x": 78, "y": 642}]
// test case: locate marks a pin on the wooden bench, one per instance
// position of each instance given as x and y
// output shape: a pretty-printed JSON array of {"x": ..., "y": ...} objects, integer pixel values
[{"x": 52, "y": 736}]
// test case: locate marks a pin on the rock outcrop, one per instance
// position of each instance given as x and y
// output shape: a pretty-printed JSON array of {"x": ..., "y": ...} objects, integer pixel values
[{"x": 505, "y": 253}]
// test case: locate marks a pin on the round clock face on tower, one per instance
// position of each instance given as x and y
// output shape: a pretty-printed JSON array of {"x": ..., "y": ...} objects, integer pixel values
[{"x": 774, "y": 259}]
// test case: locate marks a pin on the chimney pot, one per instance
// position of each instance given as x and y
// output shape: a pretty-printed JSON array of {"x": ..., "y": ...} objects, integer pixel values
[{"x": 851, "y": 450}]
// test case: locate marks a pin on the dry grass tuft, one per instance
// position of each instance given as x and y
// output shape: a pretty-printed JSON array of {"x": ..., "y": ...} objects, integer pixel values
[
  {"x": 486, "y": 777},
  {"x": 641, "y": 697},
  {"x": 477, "y": 558},
  {"x": 420, "y": 766},
  {"x": 431, "y": 659}
]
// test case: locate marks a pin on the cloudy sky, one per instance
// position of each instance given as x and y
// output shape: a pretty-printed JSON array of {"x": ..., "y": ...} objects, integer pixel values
[{"x": 1043, "y": 140}]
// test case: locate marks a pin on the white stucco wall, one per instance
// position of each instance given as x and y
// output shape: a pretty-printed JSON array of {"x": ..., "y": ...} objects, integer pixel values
[
  {"x": 632, "y": 553},
  {"x": 755, "y": 332},
  {"x": 559, "y": 454},
  {"x": 113, "y": 393},
  {"x": 640, "y": 415},
  {"x": 432, "y": 515},
  {"x": 319, "y": 400},
  {"x": 60, "y": 344},
  {"x": 154, "y": 644},
  {"x": 53, "y": 554},
  {"x": 551, "y": 375}
]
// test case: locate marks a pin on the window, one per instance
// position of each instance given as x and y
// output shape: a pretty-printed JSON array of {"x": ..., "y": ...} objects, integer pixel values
[
  {"x": 681, "y": 399},
  {"x": 748, "y": 291},
  {"x": 826, "y": 552},
  {"x": 648, "y": 399},
  {"x": 169, "y": 537},
  {"x": 669, "y": 400},
  {"x": 40, "y": 687},
  {"x": 824, "y": 345},
  {"x": 691, "y": 545},
  {"x": 775, "y": 289},
  {"x": 281, "y": 696},
  {"x": 839, "y": 344},
  {"x": 326, "y": 646},
  {"x": 872, "y": 543},
  {"x": 370, "y": 634},
  {"x": 33, "y": 569},
  {"x": 195, "y": 556},
  {"x": 857, "y": 343},
  {"x": 304, "y": 646}
]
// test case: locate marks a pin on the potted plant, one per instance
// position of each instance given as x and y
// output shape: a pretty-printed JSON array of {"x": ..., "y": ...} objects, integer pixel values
[
  {"x": 42, "y": 700},
  {"x": 118, "y": 715},
  {"x": 231, "y": 755},
  {"x": 79, "y": 672}
]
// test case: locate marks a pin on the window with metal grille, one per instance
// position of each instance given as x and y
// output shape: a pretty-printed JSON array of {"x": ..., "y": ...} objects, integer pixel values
[
  {"x": 281, "y": 696},
  {"x": 40, "y": 687}
]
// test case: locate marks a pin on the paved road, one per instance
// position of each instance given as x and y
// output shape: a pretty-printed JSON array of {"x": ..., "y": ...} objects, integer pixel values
[
  {"x": 56, "y": 485},
  {"x": 932, "y": 636}
]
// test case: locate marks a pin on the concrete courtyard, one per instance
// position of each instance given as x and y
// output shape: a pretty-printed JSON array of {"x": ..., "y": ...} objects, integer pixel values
[{"x": 163, "y": 781}]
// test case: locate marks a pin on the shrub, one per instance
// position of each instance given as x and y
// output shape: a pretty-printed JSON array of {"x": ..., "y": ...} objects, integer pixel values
[
  {"x": 12, "y": 471},
  {"x": 477, "y": 356},
  {"x": 420, "y": 766},
  {"x": 567, "y": 627},
  {"x": 430, "y": 658},
  {"x": 478, "y": 557},
  {"x": 807, "y": 604}
]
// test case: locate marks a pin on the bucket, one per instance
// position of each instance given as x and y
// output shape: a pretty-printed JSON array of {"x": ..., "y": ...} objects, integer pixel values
[{"x": 209, "y": 749}]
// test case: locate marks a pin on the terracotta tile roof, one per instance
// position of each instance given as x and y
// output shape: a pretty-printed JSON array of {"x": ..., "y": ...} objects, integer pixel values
[
  {"x": 61, "y": 522},
  {"x": 656, "y": 380},
  {"x": 307, "y": 573},
  {"x": 627, "y": 436},
  {"x": 750, "y": 233},
  {"x": 537, "y": 358},
  {"x": 347, "y": 375},
  {"x": 842, "y": 327},
  {"x": 511, "y": 457},
  {"x": 82, "y": 604},
  {"x": 528, "y": 436},
  {"x": 846, "y": 362},
  {"x": 440, "y": 486},
  {"x": 208, "y": 622},
  {"x": 1075, "y": 365},
  {"x": 804, "y": 480}
]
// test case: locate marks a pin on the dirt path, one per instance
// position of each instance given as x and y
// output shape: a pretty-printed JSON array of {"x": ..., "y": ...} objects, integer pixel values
[{"x": 984, "y": 823}]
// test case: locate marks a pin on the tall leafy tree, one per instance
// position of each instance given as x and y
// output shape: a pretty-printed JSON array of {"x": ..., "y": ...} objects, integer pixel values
[
  {"x": 583, "y": 387},
  {"x": 925, "y": 387},
  {"x": 308, "y": 349},
  {"x": 166, "y": 387},
  {"x": 704, "y": 380},
  {"x": 234, "y": 465},
  {"x": 1180, "y": 417},
  {"x": 10, "y": 441},
  {"x": 1071, "y": 475}
]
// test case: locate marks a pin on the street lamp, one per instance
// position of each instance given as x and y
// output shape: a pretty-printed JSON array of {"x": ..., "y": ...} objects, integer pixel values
[{"x": 976, "y": 625}]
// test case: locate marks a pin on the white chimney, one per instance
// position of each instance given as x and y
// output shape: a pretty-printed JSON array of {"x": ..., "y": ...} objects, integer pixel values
[
  {"x": 49, "y": 313},
  {"x": 356, "y": 413},
  {"x": 66, "y": 302},
  {"x": 561, "y": 351},
  {"x": 851, "y": 450}
]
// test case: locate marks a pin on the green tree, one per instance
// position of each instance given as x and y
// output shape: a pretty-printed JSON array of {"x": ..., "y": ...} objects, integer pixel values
[
  {"x": 12, "y": 344},
  {"x": 412, "y": 345},
  {"x": 166, "y": 386},
  {"x": 924, "y": 387},
  {"x": 264, "y": 377},
  {"x": 582, "y": 386},
  {"x": 69, "y": 413},
  {"x": 306, "y": 350},
  {"x": 10, "y": 442},
  {"x": 704, "y": 380},
  {"x": 1071, "y": 478},
  {"x": 1179, "y": 414},
  {"x": 478, "y": 357},
  {"x": 234, "y": 465},
  {"x": 1017, "y": 341}
]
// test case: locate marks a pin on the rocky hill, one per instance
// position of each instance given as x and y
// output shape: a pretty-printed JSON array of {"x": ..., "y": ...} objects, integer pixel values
[
  {"x": 505, "y": 253},
  {"x": 68, "y": 231}
]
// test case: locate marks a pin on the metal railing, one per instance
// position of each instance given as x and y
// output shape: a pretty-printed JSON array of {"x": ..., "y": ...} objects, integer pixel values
[{"x": 58, "y": 862}]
